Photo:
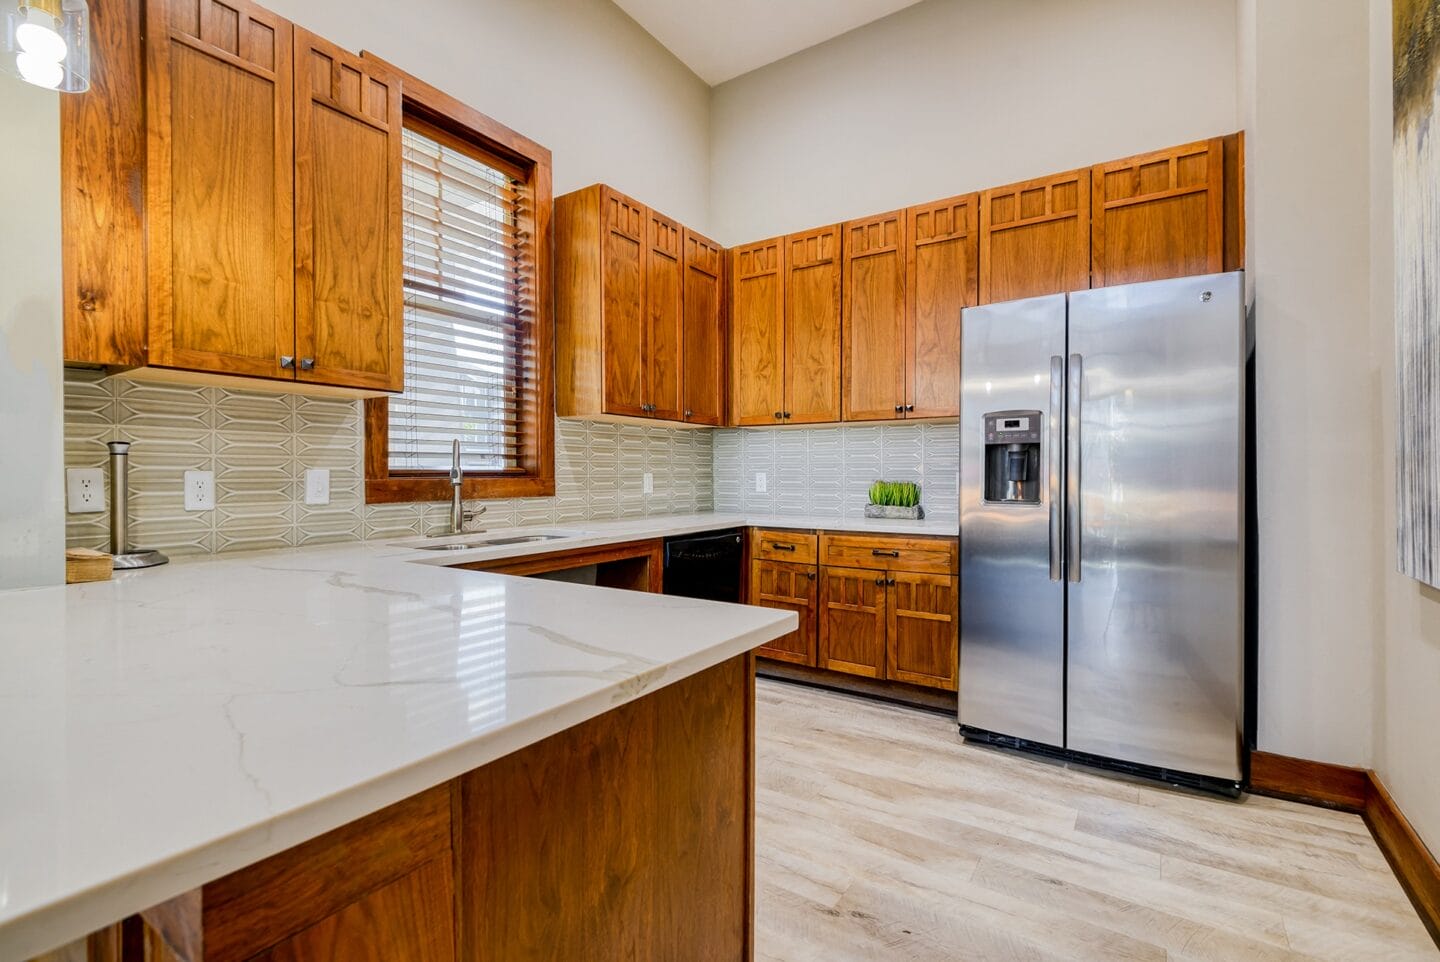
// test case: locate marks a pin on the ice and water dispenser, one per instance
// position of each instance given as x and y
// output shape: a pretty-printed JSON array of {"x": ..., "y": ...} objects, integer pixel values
[{"x": 1012, "y": 457}]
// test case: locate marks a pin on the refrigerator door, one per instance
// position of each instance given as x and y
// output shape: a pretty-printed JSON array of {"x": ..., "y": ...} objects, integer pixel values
[
  {"x": 1155, "y": 572},
  {"x": 1012, "y": 596}
]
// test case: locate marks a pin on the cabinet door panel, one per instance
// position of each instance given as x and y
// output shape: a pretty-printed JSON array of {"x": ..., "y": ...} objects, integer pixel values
[
  {"x": 411, "y": 918},
  {"x": 852, "y": 621},
  {"x": 1035, "y": 237},
  {"x": 812, "y": 326},
  {"x": 789, "y": 587},
  {"x": 220, "y": 187},
  {"x": 703, "y": 357},
  {"x": 943, "y": 239},
  {"x": 663, "y": 316},
  {"x": 924, "y": 629},
  {"x": 874, "y": 318},
  {"x": 348, "y": 299},
  {"x": 1159, "y": 215},
  {"x": 622, "y": 282},
  {"x": 757, "y": 344}
]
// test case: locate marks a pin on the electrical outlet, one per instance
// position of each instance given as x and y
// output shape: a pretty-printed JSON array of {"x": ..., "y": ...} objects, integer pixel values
[
  {"x": 199, "y": 490},
  {"x": 317, "y": 485},
  {"x": 84, "y": 490},
  {"x": 647, "y": 483},
  {"x": 759, "y": 482}
]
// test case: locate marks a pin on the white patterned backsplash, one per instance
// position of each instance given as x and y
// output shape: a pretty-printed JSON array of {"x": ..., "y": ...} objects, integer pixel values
[
  {"x": 259, "y": 446},
  {"x": 828, "y": 471}
]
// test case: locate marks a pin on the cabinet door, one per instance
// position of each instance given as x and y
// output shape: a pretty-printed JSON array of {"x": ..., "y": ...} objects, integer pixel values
[
  {"x": 923, "y": 629},
  {"x": 702, "y": 376},
  {"x": 874, "y": 318},
  {"x": 220, "y": 187},
  {"x": 789, "y": 587},
  {"x": 757, "y": 339},
  {"x": 410, "y": 918},
  {"x": 812, "y": 326},
  {"x": 1159, "y": 215},
  {"x": 622, "y": 284},
  {"x": 349, "y": 327},
  {"x": 941, "y": 281},
  {"x": 664, "y": 279},
  {"x": 852, "y": 621},
  {"x": 1035, "y": 237}
]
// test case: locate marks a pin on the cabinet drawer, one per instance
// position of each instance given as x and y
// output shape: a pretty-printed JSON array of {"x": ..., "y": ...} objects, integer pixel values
[
  {"x": 924, "y": 555},
  {"x": 794, "y": 546}
]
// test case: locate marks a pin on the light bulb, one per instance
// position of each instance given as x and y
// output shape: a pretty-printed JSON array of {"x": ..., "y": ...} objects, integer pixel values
[
  {"x": 41, "y": 73},
  {"x": 38, "y": 36}
]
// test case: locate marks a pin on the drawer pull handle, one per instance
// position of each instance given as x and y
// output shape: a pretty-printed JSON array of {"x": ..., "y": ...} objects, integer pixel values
[
  {"x": 879, "y": 553},
  {"x": 782, "y": 547}
]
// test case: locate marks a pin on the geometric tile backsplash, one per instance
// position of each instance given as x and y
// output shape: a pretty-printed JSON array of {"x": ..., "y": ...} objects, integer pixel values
[
  {"x": 259, "y": 446},
  {"x": 827, "y": 471}
]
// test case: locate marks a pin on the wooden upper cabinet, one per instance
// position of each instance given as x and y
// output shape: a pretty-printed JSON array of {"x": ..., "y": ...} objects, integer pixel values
[
  {"x": 757, "y": 333},
  {"x": 923, "y": 612},
  {"x": 1035, "y": 237},
  {"x": 789, "y": 587},
  {"x": 1159, "y": 215},
  {"x": 941, "y": 281},
  {"x": 219, "y": 187},
  {"x": 873, "y": 322},
  {"x": 812, "y": 326},
  {"x": 349, "y": 326},
  {"x": 852, "y": 621},
  {"x": 622, "y": 286},
  {"x": 664, "y": 316},
  {"x": 702, "y": 378}
]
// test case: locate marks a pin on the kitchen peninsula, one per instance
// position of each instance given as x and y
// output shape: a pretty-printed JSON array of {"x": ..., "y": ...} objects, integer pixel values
[{"x": 360, "y": 751}]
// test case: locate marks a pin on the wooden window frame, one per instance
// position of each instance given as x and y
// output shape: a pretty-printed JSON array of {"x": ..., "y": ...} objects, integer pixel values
[{"x": 530, "y": 163}]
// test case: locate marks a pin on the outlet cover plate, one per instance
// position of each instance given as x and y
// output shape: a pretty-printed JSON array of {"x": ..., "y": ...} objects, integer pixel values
[
  {"x": 85, "y": 490},
  {"x": 760, "y": 482},
  {"x": 647, "y": 483},
  {"x": 317, "y": 485},
  {"x": 199, "y": 490}
]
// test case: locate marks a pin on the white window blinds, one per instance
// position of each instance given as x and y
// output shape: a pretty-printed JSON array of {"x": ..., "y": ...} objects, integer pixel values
[{"x": 469, "y": 364}]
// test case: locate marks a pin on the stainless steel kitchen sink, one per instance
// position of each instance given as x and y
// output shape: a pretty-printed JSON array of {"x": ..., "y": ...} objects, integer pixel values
[{"x": 491, "y": 541}]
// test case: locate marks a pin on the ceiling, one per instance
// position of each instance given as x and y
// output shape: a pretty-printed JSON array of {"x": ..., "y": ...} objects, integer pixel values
[{"x": 723, "y": 40}]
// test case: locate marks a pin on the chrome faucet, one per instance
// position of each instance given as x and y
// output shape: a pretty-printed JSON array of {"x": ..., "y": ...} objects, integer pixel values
[{"x": 458, "y": 514}]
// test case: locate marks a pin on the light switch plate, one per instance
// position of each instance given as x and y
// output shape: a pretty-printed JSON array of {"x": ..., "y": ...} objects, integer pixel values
[
  {"x": 199, "y": 490},
  {"x": 317, "y": 485},
  {"x": 85, "y": 490},
  {"x": 647, "y": 483},
  {"x": 760, "y": 482}
]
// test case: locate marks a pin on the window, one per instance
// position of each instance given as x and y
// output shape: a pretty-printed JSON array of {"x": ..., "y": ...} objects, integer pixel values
[{"x": 475, "y": 210}]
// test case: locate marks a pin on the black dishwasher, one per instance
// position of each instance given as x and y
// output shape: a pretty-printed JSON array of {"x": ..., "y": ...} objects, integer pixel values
[{"x": 705, "y": 565}]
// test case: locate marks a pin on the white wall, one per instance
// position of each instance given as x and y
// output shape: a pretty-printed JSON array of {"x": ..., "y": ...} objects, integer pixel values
[
  {"x": 950, "y": 96},
  {"x": 1320, "y": 455},
  {"x": 32, "y": 533},
  {"x": 1408, "y": 709},
  {"x": 578, "y": 76}
]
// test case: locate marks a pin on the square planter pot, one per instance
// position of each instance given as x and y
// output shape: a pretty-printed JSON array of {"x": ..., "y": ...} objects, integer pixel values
[{"x": 894, "y": 512}]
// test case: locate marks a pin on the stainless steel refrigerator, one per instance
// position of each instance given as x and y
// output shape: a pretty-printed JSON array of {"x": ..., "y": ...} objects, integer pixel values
[{"x": 1101, "y": 518}]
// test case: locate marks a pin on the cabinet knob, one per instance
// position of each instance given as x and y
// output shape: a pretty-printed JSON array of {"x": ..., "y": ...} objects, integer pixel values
[
  {"x": 88, "y": 301},
  {"x": 899, "y": 408},
  {"x": 287, "y": 361},
  {"x": 779, "y": 415},
  {"x": 909, "y": 408},
  {"x": 880, "y": 581},
  {"x": 307, "y": 364},
  {"x": 810, "y": 576},
  {"x": 688, "y": 412},
  {"x": 787, "y": 415}
]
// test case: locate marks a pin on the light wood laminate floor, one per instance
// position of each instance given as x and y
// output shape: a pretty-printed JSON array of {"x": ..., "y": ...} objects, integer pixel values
[{"x": 882, "y": 835}]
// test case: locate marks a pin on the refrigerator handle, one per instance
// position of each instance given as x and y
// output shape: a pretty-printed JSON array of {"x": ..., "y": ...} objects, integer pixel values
[
  {"x": 1072, "y": 469},
  {"x": 1056, "y": 468}
]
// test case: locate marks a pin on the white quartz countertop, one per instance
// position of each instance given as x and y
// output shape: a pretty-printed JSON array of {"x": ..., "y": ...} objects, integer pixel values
[{"x": 175, "y": 724}]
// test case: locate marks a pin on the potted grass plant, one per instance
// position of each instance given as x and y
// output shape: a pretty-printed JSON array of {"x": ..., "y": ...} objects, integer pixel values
[{"x": 894, "y": 499}]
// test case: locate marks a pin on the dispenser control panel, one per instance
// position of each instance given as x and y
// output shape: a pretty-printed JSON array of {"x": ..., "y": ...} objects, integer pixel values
[{"x": 1012, "y": 427}]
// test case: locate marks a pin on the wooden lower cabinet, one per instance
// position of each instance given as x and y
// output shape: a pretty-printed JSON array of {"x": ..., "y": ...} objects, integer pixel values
[
  {"x": 625, "y": 837},
  {"x": 923, "y": 629},
  {"x": 852, "y": 621},
  {"x": 789, "y": 587}
]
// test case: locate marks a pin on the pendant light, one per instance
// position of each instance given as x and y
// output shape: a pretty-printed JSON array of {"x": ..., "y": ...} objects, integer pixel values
[{"x": 47, "y": 43}]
